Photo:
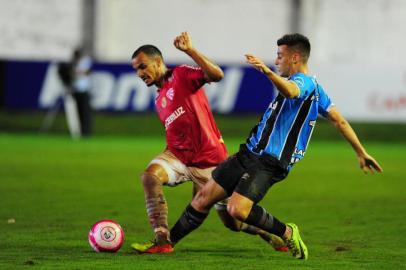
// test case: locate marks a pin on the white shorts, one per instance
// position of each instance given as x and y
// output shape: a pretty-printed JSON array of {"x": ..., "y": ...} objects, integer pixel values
[{"x": 179, "y": 173}]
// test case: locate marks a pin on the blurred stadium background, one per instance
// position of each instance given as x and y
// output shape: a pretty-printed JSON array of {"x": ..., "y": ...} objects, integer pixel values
[
  {"x": 355, "y": 54},
  {"x": 45, "y": 178}
]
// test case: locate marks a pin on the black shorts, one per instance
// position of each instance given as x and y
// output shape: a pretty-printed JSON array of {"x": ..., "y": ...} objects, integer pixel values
[{"x": 248, "y": 174}]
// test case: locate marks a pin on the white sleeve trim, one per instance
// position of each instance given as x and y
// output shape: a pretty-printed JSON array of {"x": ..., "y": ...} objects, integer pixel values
[{"x": 330, "y": 106}]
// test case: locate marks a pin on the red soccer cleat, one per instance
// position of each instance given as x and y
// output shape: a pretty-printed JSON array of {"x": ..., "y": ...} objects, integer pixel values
[
  {"x": 158, "y": 249},
  {"x": 282, "y": 249},
  {"x": 275, "y": 241}
]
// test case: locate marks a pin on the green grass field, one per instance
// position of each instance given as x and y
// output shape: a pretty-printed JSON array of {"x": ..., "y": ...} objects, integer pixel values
[{"x": 55, "y": 189}]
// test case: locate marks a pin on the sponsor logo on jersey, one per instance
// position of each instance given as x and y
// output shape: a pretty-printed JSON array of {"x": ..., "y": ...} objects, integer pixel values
[
  {"x": 294, "y": 160},
  {"x": 297, "y": 155},
  {"x": 171, "y": 118},
  {"x": 299, "y": 152},
  {"x": 274, "y": 105},
  {"x": 317, "y": 96},
  {"x": 170, "y": 94},
  {"x": 245, "y": 177}
]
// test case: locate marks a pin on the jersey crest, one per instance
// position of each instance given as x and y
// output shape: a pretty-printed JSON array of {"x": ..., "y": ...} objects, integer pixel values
[{"x": 163, "y": 102}]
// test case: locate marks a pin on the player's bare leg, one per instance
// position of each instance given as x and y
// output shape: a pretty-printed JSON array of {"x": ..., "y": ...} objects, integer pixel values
[{"x": 157, "y": 209}]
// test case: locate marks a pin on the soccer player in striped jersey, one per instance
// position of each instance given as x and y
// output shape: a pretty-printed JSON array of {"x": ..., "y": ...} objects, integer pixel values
[
  {"x": 194, "y": 143},
  {"x": 274, "y": 145}
]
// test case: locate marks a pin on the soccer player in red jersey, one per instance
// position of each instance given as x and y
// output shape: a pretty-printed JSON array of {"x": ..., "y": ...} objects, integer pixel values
[{"x": 194, "y": 143}]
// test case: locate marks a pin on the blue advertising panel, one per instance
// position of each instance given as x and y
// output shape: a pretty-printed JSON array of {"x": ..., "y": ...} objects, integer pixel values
[
  {"x": 23, "y": 81},
  {"x": 36, "y": 85}
]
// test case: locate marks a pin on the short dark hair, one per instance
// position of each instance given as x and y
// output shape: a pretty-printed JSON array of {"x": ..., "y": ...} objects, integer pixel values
[
  {"x": 149, "y": 50},
  {"x": 298, "y": 42}
]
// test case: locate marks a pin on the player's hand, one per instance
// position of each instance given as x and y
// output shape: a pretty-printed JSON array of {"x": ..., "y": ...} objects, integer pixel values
[
  {"x": 257, "y": 63},
  {"x": 368, "y": 164},
  {"x": 183, "y": 42}
]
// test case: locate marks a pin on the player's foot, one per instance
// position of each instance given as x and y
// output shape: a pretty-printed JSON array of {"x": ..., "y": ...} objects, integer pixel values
[
  {"x": 141, "y": 247},
  {"x": 275, "y": 241},
  {"x": 295, "y": 243},
  {"x": 151, "y": 247},
  {"x": 159, "y": 249}
]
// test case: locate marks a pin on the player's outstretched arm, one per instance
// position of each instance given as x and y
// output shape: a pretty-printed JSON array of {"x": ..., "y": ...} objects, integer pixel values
[
  {"x": 367, "y": 163},
  {"x": 287, "y": 88},
  {"x": 212, "y": 71}
]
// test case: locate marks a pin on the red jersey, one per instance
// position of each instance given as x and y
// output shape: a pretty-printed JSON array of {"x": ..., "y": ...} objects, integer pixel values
[{"x": 191, "y": 132}]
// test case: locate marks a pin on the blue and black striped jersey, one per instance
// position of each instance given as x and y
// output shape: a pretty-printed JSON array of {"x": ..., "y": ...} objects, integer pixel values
[{"x": 287, "y": 125}]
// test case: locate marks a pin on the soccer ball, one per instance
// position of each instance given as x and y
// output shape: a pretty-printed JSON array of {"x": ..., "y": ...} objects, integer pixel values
[{"x": 106, "y": 236}]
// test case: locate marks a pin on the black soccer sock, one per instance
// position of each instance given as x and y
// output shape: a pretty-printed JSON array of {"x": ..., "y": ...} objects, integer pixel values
[
  {"x": 188, "y": 221},
  {"x": 260, "y": 218}
]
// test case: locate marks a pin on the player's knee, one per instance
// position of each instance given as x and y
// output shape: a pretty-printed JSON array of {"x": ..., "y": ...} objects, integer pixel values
[
  {"x": 154, "y": 176},
  {"x": 150, "y": 180},
  {"x": 228, "y": 221},
  {"x": 238, "y": 212}
]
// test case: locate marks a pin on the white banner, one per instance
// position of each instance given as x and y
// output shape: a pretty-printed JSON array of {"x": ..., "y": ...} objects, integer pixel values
[{"x": 366, "y": 94}]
